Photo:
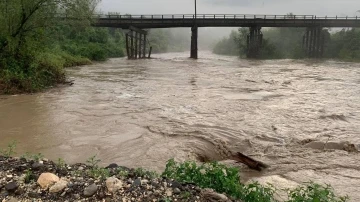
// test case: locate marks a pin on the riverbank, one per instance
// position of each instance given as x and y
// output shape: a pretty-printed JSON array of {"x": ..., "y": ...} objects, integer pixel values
[
  {"x": 33, "y": 178},
  {"x": 43, "y": 180}
]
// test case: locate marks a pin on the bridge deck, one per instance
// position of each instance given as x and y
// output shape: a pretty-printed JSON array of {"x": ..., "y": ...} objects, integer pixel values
[{"x": 169, "y": 21}]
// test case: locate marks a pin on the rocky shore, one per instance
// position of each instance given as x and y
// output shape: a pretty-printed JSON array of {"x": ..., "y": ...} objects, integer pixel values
[{"x": 38, "y": 179}]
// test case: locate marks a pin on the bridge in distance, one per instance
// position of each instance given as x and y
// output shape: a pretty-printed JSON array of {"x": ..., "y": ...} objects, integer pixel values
[{"x": 313, "y": 39}]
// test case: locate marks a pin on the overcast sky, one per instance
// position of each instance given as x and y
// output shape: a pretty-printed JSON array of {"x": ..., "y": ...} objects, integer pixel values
[{"x": 299, "y": 7}]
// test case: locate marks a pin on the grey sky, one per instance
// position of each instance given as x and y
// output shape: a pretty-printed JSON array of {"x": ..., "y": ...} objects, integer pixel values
[{"x": 299, "y": 7}]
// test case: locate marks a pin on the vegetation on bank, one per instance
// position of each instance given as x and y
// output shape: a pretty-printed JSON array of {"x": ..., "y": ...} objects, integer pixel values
[
  {"x": 216, "y": 176},
  {"x": 39, "y": 38},
  {"x": 283, "y": 43},
  {"x": 224, "y": 179}
]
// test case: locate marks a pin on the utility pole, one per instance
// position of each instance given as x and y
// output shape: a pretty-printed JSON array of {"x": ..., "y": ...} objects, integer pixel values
[{"x": 195, "y": 10}]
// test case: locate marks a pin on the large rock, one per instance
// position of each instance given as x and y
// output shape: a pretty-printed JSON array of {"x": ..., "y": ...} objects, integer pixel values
[
  {"x": 211, "y": 196},
  {"x": 113, "y": 184},
  {"x": 90, "y": 190},
  {"x": 47, "y": 179},
  {"x": 58, "y": 187}
]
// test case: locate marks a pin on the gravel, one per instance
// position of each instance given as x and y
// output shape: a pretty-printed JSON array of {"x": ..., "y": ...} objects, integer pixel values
[{"x": 81, "y": 182}]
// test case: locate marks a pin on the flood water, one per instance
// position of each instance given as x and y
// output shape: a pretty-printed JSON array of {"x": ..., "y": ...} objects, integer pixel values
[{"x": 299, "y": 117}]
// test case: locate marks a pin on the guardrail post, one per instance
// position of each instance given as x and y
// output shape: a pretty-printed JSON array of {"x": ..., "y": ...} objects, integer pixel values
[
  {"x": 336, "y": 17},
  {"x": 346, "y": 17}
]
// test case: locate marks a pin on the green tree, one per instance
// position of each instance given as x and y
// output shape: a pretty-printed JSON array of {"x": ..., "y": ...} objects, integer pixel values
[{"x": 40, "y": 37}]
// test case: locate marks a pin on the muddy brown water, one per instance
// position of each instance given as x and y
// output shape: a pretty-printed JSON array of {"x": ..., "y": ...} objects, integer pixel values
[{"x": 297, "y": 116}]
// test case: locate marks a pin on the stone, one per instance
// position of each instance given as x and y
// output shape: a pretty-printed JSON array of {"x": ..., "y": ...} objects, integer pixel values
[
  {"x": 4, "y": 194},
  {"x": 177, "y": 191},
  {"x": 113, "y": 184},
  {"x": 165, "y": 184},
  {"x": 33, "y": 195},
  {"x": 11, "y": 187},
  {"x": 19, "y": 191},
  {"x": 176, "y": 185},
  {"x": 12, "y": 200},
  {"x": 90, "y": 190},
  {"x": 58, "y": 187},
  {"x": 113, "y": 165},
  {"x": 76, "y": 196},
  {"x": 81, "y": 168},
  {"x": 137, "y": 183},
  {"x": 144, "y": 182},
  {"x": 168, "y": 192},
  {"x": 47, "y": 179},
  {"x": 37, "y": 166},
  {"x": 155, "y": 184}
]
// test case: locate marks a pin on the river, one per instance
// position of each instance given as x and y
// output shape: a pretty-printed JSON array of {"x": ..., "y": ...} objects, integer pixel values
[{"x": 298, "y": 116}]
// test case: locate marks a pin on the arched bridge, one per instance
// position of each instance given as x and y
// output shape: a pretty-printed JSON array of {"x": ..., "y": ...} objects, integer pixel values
[{"x": 313, "y": 41}]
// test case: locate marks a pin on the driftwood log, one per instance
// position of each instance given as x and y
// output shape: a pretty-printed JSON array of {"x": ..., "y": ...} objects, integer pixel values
[{"x": 250, "y": 162}]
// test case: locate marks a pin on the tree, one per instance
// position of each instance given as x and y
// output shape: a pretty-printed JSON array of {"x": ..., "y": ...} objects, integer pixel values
[{"x": 20, "y": 19}]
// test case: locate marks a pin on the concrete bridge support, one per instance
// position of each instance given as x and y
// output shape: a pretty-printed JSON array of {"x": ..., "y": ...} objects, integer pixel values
[
  {"x": 313, "y": 42},
  {"x": 194, "y": 42},
  {"x": 136, "y": 43},
  {"x": 254, "y": 42}
]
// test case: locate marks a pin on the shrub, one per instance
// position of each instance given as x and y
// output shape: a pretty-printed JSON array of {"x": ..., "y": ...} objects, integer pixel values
[
  {"x": 224, "y": 179},
  {"x": 219, "y": 177},
  {"x": 312, "y": 192}
]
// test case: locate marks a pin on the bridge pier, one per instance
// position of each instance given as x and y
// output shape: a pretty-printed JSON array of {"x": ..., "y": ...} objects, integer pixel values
[
  {"x": 254, "y": 42},
  {"x": 194, "y": 43},
  {"x": 314, "y": 42},
  {"x": 136, "y": 43}
]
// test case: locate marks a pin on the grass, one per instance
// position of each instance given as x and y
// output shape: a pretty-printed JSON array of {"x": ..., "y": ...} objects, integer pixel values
[
  {"x": 35, "y": 157},
  {"x": 29, "y": 176},
  {"x": 60, "y": 163},
  {"x": 224, "y": 179},
  {"x": 95, "y": 171},
  {"x": 10, "y": 150}
]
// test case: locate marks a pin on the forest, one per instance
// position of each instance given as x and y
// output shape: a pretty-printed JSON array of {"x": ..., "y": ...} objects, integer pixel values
[
  {"x": 282, "y": 43},
  {"x": 36, "y": 44}
]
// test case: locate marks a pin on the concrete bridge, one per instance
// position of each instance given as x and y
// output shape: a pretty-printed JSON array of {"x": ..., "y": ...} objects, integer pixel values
[{"x": 313, "y": 39}]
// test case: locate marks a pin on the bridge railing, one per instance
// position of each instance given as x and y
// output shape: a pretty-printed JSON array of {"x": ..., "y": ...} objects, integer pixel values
[{"x": 221, "y": 16}]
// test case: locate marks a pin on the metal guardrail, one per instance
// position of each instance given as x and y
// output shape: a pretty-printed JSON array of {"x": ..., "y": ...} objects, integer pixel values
[{"x": 222, "y": 16}]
